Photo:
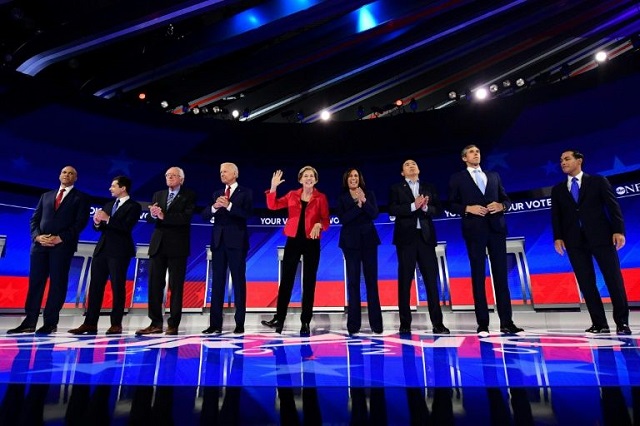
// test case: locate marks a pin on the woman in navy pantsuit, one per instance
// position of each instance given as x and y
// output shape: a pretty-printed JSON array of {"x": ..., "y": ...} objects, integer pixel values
[{"x": 359, "y": 241}]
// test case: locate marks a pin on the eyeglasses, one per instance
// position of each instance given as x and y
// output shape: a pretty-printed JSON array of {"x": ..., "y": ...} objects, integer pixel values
[{"x": 171, "y": 175}]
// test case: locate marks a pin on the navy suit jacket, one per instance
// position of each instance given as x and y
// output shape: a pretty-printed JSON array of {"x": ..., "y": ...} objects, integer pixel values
[
  {"x": 67, "y": 222},
  {"x": 230, "y": 227},
  {"x": 357, "y": 230},
  {"x": 406, "y": 221},
  {"x": 464, "y": 192},
  {"x": 172, "y": 235},
  {"x": 597, "y": 213},
  {"x": 115, "y": 238}
]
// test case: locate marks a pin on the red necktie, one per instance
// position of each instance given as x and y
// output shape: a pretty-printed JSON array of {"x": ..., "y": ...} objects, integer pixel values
[
  {"x": 227, "y": 192},
  {"x": 59, "y": 199}
]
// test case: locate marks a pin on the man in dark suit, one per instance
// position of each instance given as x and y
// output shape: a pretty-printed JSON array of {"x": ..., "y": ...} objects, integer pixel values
[
  {"x": 480, "y": 199},
  {"x": 171, "y": 210},
  {"x": 229, "y": 246},
  {"x": 56, "y": 224},
  {"x": 111, "y": 256},
  {"x": 414, "y": 204},
  {"x": 587, "y": 223}
]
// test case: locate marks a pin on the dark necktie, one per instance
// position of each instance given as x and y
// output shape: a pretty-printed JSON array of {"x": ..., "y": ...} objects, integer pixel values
[
  {"x": 59, "y": 199},
  {"x": 227, "y": 192},
  {"x": 575, "y": 189},
  {"x": 170, "y": 199},
  {"x": 115, "y": 207}
]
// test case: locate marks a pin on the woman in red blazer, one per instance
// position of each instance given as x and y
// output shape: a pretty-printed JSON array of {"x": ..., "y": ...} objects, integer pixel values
[{"x": 308, "y": 215}]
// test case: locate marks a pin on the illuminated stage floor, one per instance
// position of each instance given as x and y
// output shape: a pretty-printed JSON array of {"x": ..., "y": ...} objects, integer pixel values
[{"x": 553, "y": 373}]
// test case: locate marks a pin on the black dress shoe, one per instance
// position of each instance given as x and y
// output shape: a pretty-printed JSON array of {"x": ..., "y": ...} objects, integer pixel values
[
  {"x": 171, "y": 331},
  {"x": 404, "y": 329},
  {"x": 22, "y": 329},
  {"x": 84, "y": 329},
  {"x": 483, "y": 330},
  {"x": 47, "y": 329},
  {"x": 304, "y": 328},
  {"x": 239, "y": 329},
  {"x": 510, "y": 329},
  {"x": 440, "y": 329},
  {"x": 353, "y": 331},
  {"x": 623, "y": 329},
  {"x": 212, "y": 330},
  {"x": 377, "y": 330},
  {"x": 596, "y": 329},
  {"x": 272, "y": 323},
  {"x": 152, "y": 329}
]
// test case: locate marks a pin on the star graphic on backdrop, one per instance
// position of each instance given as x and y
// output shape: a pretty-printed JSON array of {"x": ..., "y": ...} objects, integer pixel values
[
  {"x": 551, "y": 168},
  {"x": 497, "y": 160},
  {"x": 20, "y": 163},
  {"x": 121, "y": 164},
  {"x": 316, "y": 367}
]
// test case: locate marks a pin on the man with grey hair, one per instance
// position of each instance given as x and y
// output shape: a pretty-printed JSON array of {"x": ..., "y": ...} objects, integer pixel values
[
  {"x": 230, "y": 209},
  {"x": 170, "y": 211}
]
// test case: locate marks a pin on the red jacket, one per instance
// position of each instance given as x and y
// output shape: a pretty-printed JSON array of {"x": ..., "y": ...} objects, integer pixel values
[{"x": 317, "y": 210}]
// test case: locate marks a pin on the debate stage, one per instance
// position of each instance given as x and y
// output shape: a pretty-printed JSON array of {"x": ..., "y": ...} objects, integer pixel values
[{"x": 553, "y": 373}]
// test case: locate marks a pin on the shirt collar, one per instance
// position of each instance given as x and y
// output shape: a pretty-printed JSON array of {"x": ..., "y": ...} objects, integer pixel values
[{"x": 578, "y": 176}]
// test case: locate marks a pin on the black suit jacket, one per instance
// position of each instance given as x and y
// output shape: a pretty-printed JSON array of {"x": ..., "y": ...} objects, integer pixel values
[
  {"x": 230, "y": 227},
  {"x": 464, "y": 192},
  {"x": 115, "y": 238},
  {"x": 400, "y": 199},
  {"x": 172, "y": 235},
  {"x": 597, "y": 213},
  {"x": 357, "y": 229},
  {"x": 67, "y": 222}
]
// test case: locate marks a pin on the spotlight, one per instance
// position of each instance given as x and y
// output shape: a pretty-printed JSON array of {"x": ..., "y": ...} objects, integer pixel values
[
  {"x": 520, "y": 82},
  {"x": 506, "y": 83},
  {"x": 164, "y": 104},
  {"x": 195, "y": 110},
  {"x": 235, "y": 113},
  {"x": 325, "y": 115},
  {"x": 601, "y": 56},
  {"x": 481, "y": 94},
  {"x": 142, "y": 96},
  {"x": 360, "y": 113},
  {"x": 413, "y": 104},
  {"x": 398, "y": 103},
  {"x": 493, "y": 88},
  {"x": 204, "y": 110},
  {"x": 453, "y": 95}
]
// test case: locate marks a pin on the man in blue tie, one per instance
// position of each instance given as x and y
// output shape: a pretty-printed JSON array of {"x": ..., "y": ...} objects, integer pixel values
[
  {"x": 112, "y": 256},
  {"x": 587, "y": 223},
  {"x": 480, "y": 199},
  {"x": 170, "y": 212}
]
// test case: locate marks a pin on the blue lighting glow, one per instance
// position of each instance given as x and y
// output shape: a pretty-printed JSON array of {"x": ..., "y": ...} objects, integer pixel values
[{"x": 366, "y": 18}]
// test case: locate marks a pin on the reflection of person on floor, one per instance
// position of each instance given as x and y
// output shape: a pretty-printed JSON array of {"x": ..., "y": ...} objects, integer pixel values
[{"x": 375, "y": 412}]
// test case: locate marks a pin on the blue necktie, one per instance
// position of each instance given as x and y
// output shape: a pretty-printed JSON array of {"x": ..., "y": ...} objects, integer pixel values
[
  {"x": 170, "y": 198},
  {"x": 479, "y": 180},
  {"x": 115, "y": 207},
  {"x": 575, "y": 189}
]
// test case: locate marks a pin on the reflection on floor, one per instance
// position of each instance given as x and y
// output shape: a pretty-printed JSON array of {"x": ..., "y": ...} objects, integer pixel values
[{"x": 553, "y": 373}]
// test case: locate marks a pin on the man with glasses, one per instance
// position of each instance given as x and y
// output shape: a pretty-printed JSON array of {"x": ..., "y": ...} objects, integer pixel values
[{"x": 170, "y": 211}]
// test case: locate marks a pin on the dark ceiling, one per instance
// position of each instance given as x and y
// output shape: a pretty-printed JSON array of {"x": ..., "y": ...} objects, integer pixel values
[{"x": 285, "y": 61}]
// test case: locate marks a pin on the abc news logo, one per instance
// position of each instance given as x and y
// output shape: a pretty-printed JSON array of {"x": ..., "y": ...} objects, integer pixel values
[{"x": 631, "y": 189}]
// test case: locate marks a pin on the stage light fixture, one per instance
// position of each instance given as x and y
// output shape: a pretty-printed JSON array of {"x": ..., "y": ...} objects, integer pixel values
[
  {"x": 481, "y": 93},
  {"x": 235, "y": 113},
  {"x": 493, "y": 88},
  {"x": 520, "y": 82},
  {"x": 325, "y": 115},
  {"x": 601, "y": 56},
  {"x": 453, "y": 95},
  {"x": 142, "y": 96},
  {"x": 195, "y": 110},
  {"x": 204, "y": 110},
  {"x": 398, "y": 103},
  {"x": 413, "y": 104},
  {"x": 300, "y": 115},
  {"x": 506, "y": 83},
  {"x": 164, "y": 104}
]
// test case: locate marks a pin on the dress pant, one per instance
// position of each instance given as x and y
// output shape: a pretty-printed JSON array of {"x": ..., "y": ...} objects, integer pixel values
[
  {"x": 52, "y": 263},
  {"x": 293, "y": 250},
  {"x": 234, "y": 260},
  {"x": 103, "y": 268},
  {"x": 357, "y": 261},
  {"x": 496, "y": 244},
  {"x": 177, "y": 267}
]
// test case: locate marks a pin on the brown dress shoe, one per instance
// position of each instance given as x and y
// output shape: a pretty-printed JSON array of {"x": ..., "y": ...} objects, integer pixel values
[
  {"x": 84, "y": 329},
  {"x": 172, "y": 331},
  {"x": 152, "y": 329},
  {"x": 114, "y": 329}
]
